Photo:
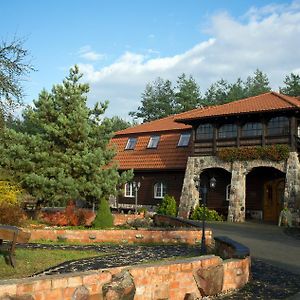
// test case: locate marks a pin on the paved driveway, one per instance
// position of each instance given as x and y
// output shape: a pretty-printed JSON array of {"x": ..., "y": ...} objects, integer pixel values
[{"x": 266, "y": 242}]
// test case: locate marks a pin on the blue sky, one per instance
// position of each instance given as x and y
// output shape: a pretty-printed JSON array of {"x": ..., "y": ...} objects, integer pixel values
[{"x": 122, "y": 45}]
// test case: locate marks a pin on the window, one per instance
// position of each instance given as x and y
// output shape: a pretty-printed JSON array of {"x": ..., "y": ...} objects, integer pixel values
[
  {"x": 228, "y": 192},
  {"x": 252, "y": 129},
  {"x": 227, "y": 131},
  {"x": 128, "y": 190},
  {"x": 184, "y": 140},
  {"x": 131, "y": 144},
  {"x": 153, "y": 142},
  {"x": 160, "y": 190},
  {"x": 278, "y": 126},
  {"x": 204, "y": 132}
]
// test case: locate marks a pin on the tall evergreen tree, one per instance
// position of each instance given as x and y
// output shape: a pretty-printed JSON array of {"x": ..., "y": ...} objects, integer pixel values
[
  {"x": 236, "y": 91},
  {"x": 292, "y": 85},
  {"x": 188, "y": 94},
  {"x": 257, "y": 84},
  {"x": 67, "y": 156},
  {"x": 157, "y": 101},
  {"x": 217, "y": 93}
]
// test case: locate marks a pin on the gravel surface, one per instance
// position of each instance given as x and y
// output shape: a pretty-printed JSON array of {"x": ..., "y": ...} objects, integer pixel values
[{"x": 268, "y": 282}]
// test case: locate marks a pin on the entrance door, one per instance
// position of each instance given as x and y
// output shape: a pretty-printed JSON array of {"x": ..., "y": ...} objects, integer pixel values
[{"x": 273, "y": 199}]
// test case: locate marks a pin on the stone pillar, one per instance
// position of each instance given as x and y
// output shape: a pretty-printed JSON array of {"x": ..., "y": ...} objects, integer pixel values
[
  {"x": 292, "y": 182},
  {"x": 237, "y": 204},
  {"x": 189, "y": 195}
]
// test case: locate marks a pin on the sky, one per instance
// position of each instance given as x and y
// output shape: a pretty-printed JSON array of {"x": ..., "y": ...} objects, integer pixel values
[{"x": 120, "y": 46}]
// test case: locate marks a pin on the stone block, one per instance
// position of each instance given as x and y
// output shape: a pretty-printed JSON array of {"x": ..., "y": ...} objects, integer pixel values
[
  {"x": 81, "y": 293},
  {"x": 121, "y": 287},
  {"x": 210, "y": 280}
]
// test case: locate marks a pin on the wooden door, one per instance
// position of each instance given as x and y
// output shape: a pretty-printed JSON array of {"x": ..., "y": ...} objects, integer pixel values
[{"x": 273, "y": 199}]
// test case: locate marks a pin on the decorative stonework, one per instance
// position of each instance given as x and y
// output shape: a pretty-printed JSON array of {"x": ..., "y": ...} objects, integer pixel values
[{"x": 239, "y": 170}]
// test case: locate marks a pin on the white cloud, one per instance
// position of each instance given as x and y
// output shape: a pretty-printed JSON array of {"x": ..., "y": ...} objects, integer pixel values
[
  {"x": 266, "y": 38},
  {"x": 87, "y": 53}
]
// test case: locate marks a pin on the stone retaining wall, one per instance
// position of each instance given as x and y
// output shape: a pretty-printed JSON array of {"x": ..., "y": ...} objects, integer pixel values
[
  {"x": 189, "y": 236},
  {"x": 206, "y": 275},
  {"x": 122, "y": 219}
]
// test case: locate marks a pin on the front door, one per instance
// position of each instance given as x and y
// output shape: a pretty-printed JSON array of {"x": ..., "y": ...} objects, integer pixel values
[{"x": 273, "y": 199}]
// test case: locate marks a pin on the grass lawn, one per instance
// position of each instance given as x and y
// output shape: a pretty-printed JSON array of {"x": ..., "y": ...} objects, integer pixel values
[{"x": 30, "y": 261}]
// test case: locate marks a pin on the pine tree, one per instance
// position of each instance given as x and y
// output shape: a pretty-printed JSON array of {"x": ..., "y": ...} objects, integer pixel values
[
  {"x": 217, "y": 93},
  {"x": 258, "y": 84},
  {"x": 292, "y": 85},
  {"x": 188, "y": 94},
  {"x": 157, "y": 101},
  {"x": 67, "y": 155}
]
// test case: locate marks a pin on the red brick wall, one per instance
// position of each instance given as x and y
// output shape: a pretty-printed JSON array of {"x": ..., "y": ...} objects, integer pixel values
[
  {"x": 168, "y": 280},
  {"x": 189, "y": 236}
]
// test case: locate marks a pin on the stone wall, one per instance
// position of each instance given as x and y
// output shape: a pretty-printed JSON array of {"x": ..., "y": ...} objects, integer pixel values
[
  {"x": 189, "y": 236},
  {"x": 239, "y": 170},
  {"x": 122, "y": 219},
  {"x": 197, "y": 277}
]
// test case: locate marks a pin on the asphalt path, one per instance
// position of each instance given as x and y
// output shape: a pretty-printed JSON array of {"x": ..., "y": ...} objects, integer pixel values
[{"x": 268, "y": 243}]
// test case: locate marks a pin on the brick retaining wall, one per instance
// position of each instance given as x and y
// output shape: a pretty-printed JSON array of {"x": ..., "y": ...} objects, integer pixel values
[
  {"x": 168, "y": 280},
  {"x": 188, "y": 236}
]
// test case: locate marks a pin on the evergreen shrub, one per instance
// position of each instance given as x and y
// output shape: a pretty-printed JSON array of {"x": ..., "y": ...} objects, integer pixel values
[
  {"x": 104, "y": 217},
  {"x": 168, "y": 206},
  {"x": 210, "y": 214}
]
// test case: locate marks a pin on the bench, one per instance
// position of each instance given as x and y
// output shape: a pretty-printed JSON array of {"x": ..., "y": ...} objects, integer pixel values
[{"x": 11, "y": 235}]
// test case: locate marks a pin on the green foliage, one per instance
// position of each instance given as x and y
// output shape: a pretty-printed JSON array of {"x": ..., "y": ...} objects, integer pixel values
[
  {"x": 272, "y": 152},
  {"x": 104, "y": 217},
  {"x": 66, "y": 156},
  {"x": 168, "y": 206},
  {"x": 157, "y": 101},
  {"x": 188, "y": 94},
  {"x": 210, "y": 214},
  {"x": 13, "y": 67},
  {"x": 116, "y": 123},
  {"x": 292, "y": 85}
]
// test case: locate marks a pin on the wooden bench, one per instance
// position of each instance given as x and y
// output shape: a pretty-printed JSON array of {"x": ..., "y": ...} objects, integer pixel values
[{"x": 12, "y": 235}]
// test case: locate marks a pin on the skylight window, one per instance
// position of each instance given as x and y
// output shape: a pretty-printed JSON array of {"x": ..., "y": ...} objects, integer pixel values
[
  {"x": 131, "y": 144},
  {"x": 184, "y": 140},
  {"x": 153, "y": 142}
]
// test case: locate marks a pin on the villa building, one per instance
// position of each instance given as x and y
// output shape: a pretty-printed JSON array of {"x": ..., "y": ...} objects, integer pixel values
[{"x": 173, "y": 154}]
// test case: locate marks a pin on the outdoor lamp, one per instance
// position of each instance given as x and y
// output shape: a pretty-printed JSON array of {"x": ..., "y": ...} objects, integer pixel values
[
  {"x": 203, "y": 191},
  {"x": 136, "y": 186}
]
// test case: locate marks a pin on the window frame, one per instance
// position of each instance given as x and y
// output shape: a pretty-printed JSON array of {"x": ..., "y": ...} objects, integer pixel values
[
  {"x": 130, "y": 143},
  {"x": 131, "y": 190},
  {"x": 162, "y": 187},
  {"x": 245, "y": 131},
  {"x": 181, "y": 138},
  {"x": 278, "y": 130},
  {"x": 155, "y": 143},
  {"x": 228, "y": 131},
  {"x": 207, "y": 134}
]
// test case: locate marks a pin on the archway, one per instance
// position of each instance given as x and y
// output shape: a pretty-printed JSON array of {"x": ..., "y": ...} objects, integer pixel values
[
  {"x": 264, "y": 193},
  {"x": 217, "y": 198}
]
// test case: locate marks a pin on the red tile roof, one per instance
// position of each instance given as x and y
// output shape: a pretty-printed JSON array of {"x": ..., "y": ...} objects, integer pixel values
[
  {"x": 164, "y": 124},
  {"x": 262, "y": 103},
  {"x": 166, "y": 156}
]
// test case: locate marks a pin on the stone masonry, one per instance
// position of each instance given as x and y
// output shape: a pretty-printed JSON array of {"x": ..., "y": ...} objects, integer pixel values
[{"x": 239, "y": 170}]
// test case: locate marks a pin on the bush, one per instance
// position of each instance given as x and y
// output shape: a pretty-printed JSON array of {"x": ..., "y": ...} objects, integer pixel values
[
  {"x": 168, "y": 206},
  {"x": 11, "y": 214},
  {"x": 9, "y": 192},
  {"x": 210, "y": 214},
  {"x": 104, "y": 217},
  {"x": 271, "y": 152}
]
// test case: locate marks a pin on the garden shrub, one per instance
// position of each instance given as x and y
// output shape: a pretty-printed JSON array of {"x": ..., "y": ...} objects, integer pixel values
[
  {"x": 104, "y": 217},
  {"x": 168, "y": 206},
  {"x": 210, "y": 214},
  {"x": 11, "y": 212},
  {"x": 271, "y": 152}
]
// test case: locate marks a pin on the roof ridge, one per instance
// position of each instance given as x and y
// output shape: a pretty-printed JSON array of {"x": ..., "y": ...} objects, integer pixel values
[{"x": 286, "y": 98}]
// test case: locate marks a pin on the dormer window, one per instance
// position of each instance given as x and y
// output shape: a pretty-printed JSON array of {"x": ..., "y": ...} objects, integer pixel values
[
  {"x": 153, "y": 142},
  {"x": 184, "y": 139},
  {"x": 131, "y": 144}
]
